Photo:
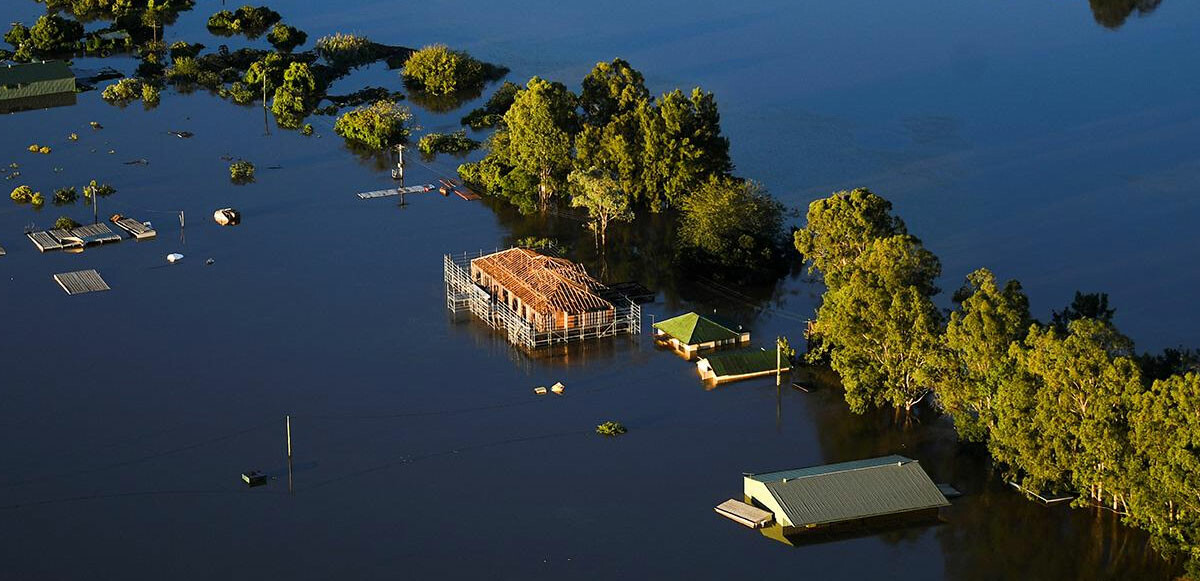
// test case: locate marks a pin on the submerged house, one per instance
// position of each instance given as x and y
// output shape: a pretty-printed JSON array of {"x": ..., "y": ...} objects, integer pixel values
[
  {"x": 692, "y": 332},
  {"x": 536, "y": 299},
  {"x": 837, "y": 496},
  {"x": 721, "y": 367},
  {"x": 36, "y": 86}
]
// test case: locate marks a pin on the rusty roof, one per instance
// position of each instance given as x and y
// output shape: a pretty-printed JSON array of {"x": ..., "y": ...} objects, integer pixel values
[{"x": 545, "y": 283}]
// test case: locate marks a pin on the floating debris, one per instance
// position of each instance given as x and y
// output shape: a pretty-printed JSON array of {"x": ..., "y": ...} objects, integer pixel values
[
  {"x": 226, "y": 157},
  {"x": 209, "y": 262},
  {"x": 540, "y": 390},
  {"x": 95, "y": 125},
  {"x": 42, "y": 149},
  {"x": 112, "y": 151},
  {"x": 610, "y": 428},
  {"x": 558, "y": 388},
  {"x": 73, "y": 137},
  {"x": 254, "y": 478},
  {"x": 181, "y": 134},
  {"x": 174, "y": 257},
  {"x": 227, "y": 217},
  {"x": 142, "y": 161}
]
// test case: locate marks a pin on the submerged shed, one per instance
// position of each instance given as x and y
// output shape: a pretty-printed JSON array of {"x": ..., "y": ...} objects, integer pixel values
[
  {"x": 723, "y": 367},
  {"x": 691, "y": 332},
  {"x": 36, "y": 85},
  {"x": 848, "y": 493}
]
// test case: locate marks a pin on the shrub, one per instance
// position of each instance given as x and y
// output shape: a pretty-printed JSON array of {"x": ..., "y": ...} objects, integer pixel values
[
  {"x": 610, "y": 428},
  {"x": 65, "y": 196},
  {"x": 456, "y": 142},
  {"x": 345, "y": 49},
  {"x": 181, "y": 49},
  {"x": 240, "y": 93},
  {"x": 122, "y": 91},
  {"x": 149, "y": 95},
  {"x": 53, "y": 33},
  {"x": 375, "y": 126},
  {"x": 491, "y": 114},
  {"x": 38, "y": 200},
  {"x": 97, "y": 189},
  {"x": 241, "y": 171},
  {"x": 441, "y": 71},
  {"x": 16, "y": 35},
  {"x": 184, "y": 68},
  {"x": 285, "y": 38},
  {"x": 65, "y": 223},
  {"x": 308, "y": 129},
  {"x": 22, "y": 194},
  {"x": 249, "y": 20}
]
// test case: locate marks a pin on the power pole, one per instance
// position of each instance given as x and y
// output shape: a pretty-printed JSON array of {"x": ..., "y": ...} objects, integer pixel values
[
  {"x": 778, "y": 360},
  {"x": 288, "y": 423},
  {"x": 95, "y": 213}
]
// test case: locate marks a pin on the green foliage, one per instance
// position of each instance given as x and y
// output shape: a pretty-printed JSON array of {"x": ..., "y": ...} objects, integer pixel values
[
  {"x": 543, "y": 245},
  {"x": 610, "y": 90},
  {"x": 286, "y": 38},
  {"x": 53, "y": 33},
  {"x": 251, "y": 21},
  {"x": 239, "y": 93},
  {"x": 601, "y": 196},
  {"x": 610, "y": 429},
  {"x": 241, "y": 172},
  {"x": 456, "y": 142},
  {"x": 375, "y": 126},
  {"x": 439, "y": 70},
  {"x": 98, "y": 189},
  {"x": 295, "y": 98},
  {"x": 65, "y": 223},
  {"x": 22, "y": 194},
  {"x": 539, "y": 126},
  {"x": 492, "y": 113},
  {"x": 730, "y": 224},
  {"x": 123, "y": 91},
  {"x": 682, "y": 147},
  {"x": 307, "y": 130},
  {"x": 269, "y": 68},
  {"x": 181, "y": 49},
  {"x": 37, "y": 199},
  {"x": 184, "y": 68},
  {"x": 975, "y": 361},
  {"x": 65, "y": 196},
  {"x": 17, "y": 35},
  {"x": 150, "y": 95},
  {"x": 345, "y": 50},
  {"x": 840, "y": 228},
  {"x": 1083, "y": 306}
]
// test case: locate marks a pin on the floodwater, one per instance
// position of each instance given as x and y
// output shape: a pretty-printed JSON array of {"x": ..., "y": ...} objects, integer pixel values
[{"x": 1023, "y": 136}]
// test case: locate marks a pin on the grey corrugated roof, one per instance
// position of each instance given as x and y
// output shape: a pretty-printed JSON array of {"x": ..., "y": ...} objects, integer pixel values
[{"x": 852, "y": 490}]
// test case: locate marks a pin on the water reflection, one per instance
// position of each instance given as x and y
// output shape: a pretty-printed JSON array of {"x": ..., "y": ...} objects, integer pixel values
[{"x": 1113, "y": 13}]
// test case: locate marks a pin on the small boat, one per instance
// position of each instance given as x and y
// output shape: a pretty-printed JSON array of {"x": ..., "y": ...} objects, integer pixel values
[{"x": 227, "y": 217}]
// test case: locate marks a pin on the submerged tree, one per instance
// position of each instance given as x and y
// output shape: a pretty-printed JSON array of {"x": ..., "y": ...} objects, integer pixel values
[
  {"x": 840, "y": 228},
  {"x": 599, "y": 193},
  {"x": 295, "y": 96},
  {"x": 439, "y": 70},
  {"x": 375, "y": 126},
  {"x": 731, "y": 224},
  {"x": 540, "y": 124}
]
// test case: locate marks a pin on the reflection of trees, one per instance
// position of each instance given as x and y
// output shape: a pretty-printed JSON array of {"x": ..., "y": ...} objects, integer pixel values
[{"x": 1112, "y": 13}]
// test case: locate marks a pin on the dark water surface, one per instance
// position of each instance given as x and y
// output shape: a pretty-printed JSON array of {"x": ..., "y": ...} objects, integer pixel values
[{"x": 1023, "y": 136}]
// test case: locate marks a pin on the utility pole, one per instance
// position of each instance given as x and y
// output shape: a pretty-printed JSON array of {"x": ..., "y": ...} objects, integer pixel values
[
  {"x": 288, "y": 423},
  {"x": 778, "y": 360},
  {"x": 95, "y": 213}
]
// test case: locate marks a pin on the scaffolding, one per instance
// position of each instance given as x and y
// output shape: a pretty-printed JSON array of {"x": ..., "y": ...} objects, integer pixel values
[{"x": 463, "y": 295}]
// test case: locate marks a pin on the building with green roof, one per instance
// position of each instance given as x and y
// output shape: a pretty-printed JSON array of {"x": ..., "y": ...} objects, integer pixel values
[
  {"x": 722, "y": 367},
  {"x": 36, "y": 85},
  {"x": 692, "y": 332},
  {"x": 857, "y": 493}
]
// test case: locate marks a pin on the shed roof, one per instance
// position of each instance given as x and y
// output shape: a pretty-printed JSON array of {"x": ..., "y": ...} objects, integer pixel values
[
  {"x": 745, "y": 362},
  {"x": 851, "y": 490},
  {"x": 545, "y": 283},
  {"x": 23, "y": 74},
  {"x": 693, "y": 329}
]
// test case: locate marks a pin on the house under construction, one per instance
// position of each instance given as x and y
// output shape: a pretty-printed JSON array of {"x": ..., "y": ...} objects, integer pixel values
[{"x": 537, "y": 300}]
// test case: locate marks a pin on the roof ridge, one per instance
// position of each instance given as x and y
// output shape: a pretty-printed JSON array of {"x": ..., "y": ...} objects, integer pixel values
[{"x": 905, "y": 460}]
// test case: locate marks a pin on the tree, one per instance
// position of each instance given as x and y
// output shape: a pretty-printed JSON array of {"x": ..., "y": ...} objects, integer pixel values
[
  {"x": 600, "y": 194},
  {"x": 286, "y": 38},
  {"x": 880, "y": 327},
  {"x": 53, "y": 33},
  {"x": 683, "y": 146},
  {"x": 266, "y": 74},
  {"x": 374, "y": 126},
  {"x": 1093, "y": 306},
  {"x": 840, "y": 228},
  {"x": 540, "y": 125},
  {"x": 1113, "y": 13},
  {"x": 731, "y": 224},
  {"x": 976, "y": 360},
  {"x": 611, "y": 89},
  {"x": 438, "y": 70},
  {"x": 295, "y": 96}
]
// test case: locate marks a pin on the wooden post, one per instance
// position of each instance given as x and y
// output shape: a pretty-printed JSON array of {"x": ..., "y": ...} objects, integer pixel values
[
  {"x": 181, "y": 219},
  {"x": 95, "y": 213},
  {"x": 288, "y": 423},
  {"x": 778, "y": 358}
]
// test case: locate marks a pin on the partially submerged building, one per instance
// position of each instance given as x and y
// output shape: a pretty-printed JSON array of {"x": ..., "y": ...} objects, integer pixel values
[
  {"x": 538, "y": 300},
  {"x": 722, "y": 367},
  {"x": 837, "y": 496},
  {"x": 36, "y": 86},
  {"x": 691, "y": 332}
]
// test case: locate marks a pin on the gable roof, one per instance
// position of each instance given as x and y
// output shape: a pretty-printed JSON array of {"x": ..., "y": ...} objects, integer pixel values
[
  {"x": 23, "y": 74},
  {"x": 545, "y": 283},
  {"x": 693, "y": 329},
  {"x": 744, "y": 362},
  {"x": 852, "y": 490}
]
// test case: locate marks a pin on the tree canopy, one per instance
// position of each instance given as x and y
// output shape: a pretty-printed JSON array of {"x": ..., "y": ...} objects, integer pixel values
[{"x": 439, "y": 70}]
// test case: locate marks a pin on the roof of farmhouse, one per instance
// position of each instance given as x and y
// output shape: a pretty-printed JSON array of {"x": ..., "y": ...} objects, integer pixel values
[
  {"x": 545, "y": 283},
  {"x": 23, "y": 74},
  {"x": 693, "y": 329},
  {"x": 852, "y": 490}
]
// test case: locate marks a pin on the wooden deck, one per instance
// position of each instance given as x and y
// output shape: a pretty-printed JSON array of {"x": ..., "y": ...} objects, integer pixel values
[
  {"x": 395, "y": 192},
  {"x": 744, "y": 514},
  {"x": 136, "y": 229},
  {"x": 81, "y": 281},
  {"x": 466, "y": 194}
]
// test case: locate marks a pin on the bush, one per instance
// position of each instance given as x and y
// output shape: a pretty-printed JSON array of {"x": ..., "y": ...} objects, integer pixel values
[
  {"x": 38, "y": 200},
  {"x": 181, "y": 49},
  {"x": 19, "y": 33},
  {"x": 53, "y": 33},
  {"x": 184, "y": 68},
  {"x": 375, "y": 126},
  {"x": 610, "y": 428},
  {"x": 286, "y": 38},
  {"x": 440, "y": 71},
  {"x": 492, "y": 113},
  {"x": 241, "y": 172},
  {"x": 65, "y": 223},
  {"x": 308, "y": 129},
  {"x": 122, "y": 91},
  {"x": 456, "y": 142},
  {"x": 22, "y": 194},
  {"x": 345, "y": 50},
  {"x": 251, "y": 21},
  {"x": 97, "y": 189},
  {"x": 149, "y": 95},
  {"x": 65, "y": 196},
  {"x": 239, "y": 93}
]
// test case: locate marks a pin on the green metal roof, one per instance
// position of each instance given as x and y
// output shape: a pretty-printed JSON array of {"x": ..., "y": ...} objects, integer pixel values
[
  {"x": 852, "y": 490},
  {"x": 744, "y": 362},
  {"x": 693, "y": 329},
  {"x": 34, "y": 79}
]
